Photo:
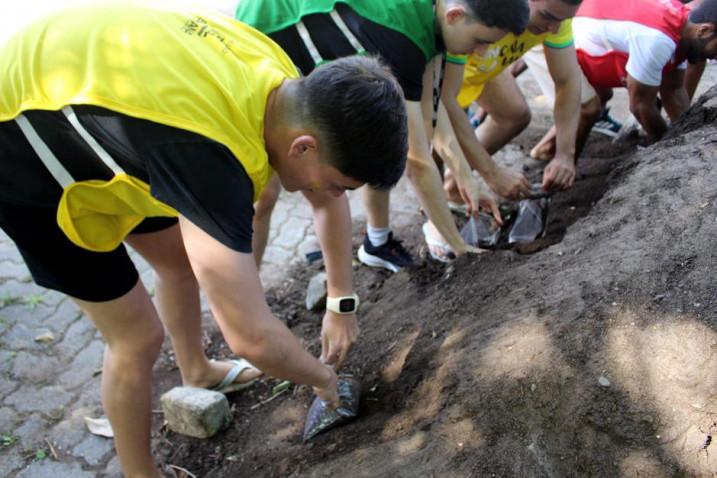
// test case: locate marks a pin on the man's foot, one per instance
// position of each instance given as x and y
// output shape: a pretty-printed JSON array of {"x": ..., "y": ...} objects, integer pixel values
[
  {"x": 217, "y": 371},
  {"x": 391, "y": 255},
  {"x": 438, "y": 248},
  {"x": 607, "y": 125}
]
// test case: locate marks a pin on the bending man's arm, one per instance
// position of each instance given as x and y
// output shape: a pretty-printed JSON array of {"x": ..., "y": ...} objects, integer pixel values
[
  {"x": 426, "y": 180},
  {"x": 231, "y": 282},
  {"x": 332, "y": 220},
  {"x": 643, "y": 105},
  {"x": 503, "y": 181},
  {"x": 565, "y": 72},
  {"x": 673, "y": 93}
]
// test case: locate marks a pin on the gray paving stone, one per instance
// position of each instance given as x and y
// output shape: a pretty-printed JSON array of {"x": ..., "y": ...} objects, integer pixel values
[
  {"x": 83, "y": 366},
  {"x": 10, "y": 253},
  {"x": 8, "y": 420},
  {"x": 113, "y": 470},
  {"x": 53, "y": 298},
  {"x": 77, "y": 336},
  {"x": 303, "y": 211},
  {"x": 7, "y": 386},
  {"x": 149, "y": 279},
  {"x": 90, "y": 393},
  {"x": 32, "y": 432},
  {"x": 11, "y": 460},
  {"x": 93, "y": 449},
  {"x": 291, "y": 233},
  {"x": 35, "y": 367},
  {"x": 31, "y": 316},
  {"x": 48, "y": 400},
  {"x": 13, "y": 289},
  {"x": 278, "y": 255},
  {"x": 22, "y": 337},
  {"x": 7, "y": 358},
  {"x": 52, "y": 469},
  {"x": 309, "y": 244},
  {"x": 71, "y": 430},
  {"x": 14, "y": 270},
  {"x": 66, "y": 313}
]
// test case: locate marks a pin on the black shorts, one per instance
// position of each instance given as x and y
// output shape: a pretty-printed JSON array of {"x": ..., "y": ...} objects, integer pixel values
[{"x": 57, "y": 263}]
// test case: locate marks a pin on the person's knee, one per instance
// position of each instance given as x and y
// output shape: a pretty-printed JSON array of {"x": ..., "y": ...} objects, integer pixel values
[
  {"x": 139, "y": 347},
  {"x": 515, "y": 117}
]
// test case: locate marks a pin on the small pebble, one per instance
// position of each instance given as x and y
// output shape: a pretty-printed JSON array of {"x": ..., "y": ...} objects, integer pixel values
[
  {"x": 603, "y": 381},
  {"x": 533, "y": 387}
]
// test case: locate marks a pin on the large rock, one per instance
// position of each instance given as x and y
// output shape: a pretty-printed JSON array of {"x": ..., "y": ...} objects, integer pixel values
[{"x": 196, "y": 412}]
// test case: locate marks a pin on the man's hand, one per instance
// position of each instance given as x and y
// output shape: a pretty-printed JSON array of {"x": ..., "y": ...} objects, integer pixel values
[
  {"x": 338, "y": 334},
  {"x": 488, "y": 203},
  {"x": 329, "y": 393},
  {"x": 508, "y": 183},
  {"x": 559, "y": 174}
]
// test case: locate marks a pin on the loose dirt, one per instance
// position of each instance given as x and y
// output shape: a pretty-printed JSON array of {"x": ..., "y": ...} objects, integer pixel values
[{"x": 592, "y": 353}]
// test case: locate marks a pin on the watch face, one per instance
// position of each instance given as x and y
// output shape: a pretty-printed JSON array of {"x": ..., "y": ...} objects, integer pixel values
[{"x": 347, "y": 305}]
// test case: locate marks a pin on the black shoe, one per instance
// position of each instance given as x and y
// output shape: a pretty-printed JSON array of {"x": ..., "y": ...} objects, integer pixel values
[{"x": 390, "y": 255}]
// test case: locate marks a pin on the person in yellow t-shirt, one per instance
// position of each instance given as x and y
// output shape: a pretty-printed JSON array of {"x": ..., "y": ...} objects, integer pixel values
[
  {"x": 486, "y": 80},
  {"x": 158, "y": 126}
]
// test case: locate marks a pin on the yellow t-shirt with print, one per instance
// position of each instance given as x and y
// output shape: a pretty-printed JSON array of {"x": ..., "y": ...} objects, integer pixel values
[
  {"x": 175, "y": 65},
  {"x": 482, "y": 68}
]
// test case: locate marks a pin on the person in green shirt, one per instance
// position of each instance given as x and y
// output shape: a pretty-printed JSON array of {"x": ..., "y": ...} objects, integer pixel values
[{"x": 412, "y": 36}]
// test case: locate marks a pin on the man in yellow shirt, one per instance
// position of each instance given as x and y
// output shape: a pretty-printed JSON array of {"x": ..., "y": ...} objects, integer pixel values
[
  {"x": 158, "y": 127},
  {"x": 486, "y": 80}
]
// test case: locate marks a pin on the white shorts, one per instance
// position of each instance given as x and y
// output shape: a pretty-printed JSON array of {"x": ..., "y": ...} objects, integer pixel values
[{"x": 538, "y": 67}]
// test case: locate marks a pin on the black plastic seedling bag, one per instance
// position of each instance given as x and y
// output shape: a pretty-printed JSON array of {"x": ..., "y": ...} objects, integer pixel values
[
  {"x": 530, "y": 221},
  {"x": 321, "y": 418},
  {"x": 482, "y": 232}
]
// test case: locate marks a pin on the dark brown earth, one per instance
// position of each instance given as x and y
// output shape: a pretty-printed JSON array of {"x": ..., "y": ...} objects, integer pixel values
[{"x": 594, "y": 355}]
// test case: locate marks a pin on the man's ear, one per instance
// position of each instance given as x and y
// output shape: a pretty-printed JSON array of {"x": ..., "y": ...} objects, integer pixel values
[
  {"x": 455, "y": 13},
  {"x": 303, "y": 144},
  {"x": 705, "y": 30}
]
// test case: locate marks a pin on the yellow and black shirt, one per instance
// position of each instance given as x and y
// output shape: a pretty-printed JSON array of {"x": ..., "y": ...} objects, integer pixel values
[{"x": 189, "y": 88}]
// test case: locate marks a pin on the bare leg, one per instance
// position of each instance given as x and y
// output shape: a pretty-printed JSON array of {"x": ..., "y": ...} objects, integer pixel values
[
  {"x": 508, "y": 113},
  {"x": 377, "y": 206},
  {"x": 262, "y": 218},
  {"x": 177, "y": 294},
  {"x": 134, "y": 335},
  {"x": 545, "y": 149}
]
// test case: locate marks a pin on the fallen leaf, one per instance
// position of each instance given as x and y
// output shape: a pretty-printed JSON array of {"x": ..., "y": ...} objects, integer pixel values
[
  {"x": 45, "y": 338},
  {"x": 100, "y": 427}
]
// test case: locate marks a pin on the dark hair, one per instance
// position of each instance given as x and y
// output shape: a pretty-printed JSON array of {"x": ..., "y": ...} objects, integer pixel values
[
  {"x": 357, "y": 107},
  {"x": 705, "y": 13},
  {"x": 511, "y": 15},
  {"x": 573, "y": 2}
]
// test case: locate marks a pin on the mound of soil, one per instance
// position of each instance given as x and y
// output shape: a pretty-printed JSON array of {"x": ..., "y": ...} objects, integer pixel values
[{"x": 595, "y": 354}]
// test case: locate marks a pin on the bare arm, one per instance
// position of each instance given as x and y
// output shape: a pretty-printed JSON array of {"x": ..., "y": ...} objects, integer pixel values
[
  {"x": 426, "y": 180},
  {"x": 565, "y": 72},
  {"x": 503, "y": 181},
  {"x": 643, "y": 105},
  {"x": 673, "y": 93},
  {"x": 332, "y": 220},
  {"x": 231, "y": 282},
  {"x": 692, "y": 77}
]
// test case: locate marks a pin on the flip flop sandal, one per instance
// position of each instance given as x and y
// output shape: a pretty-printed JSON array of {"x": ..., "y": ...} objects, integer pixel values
[
  {"x": 457, "y": 207},
  {"x": 434, "y": 242},
  {"x": 227, "y": 385}
]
